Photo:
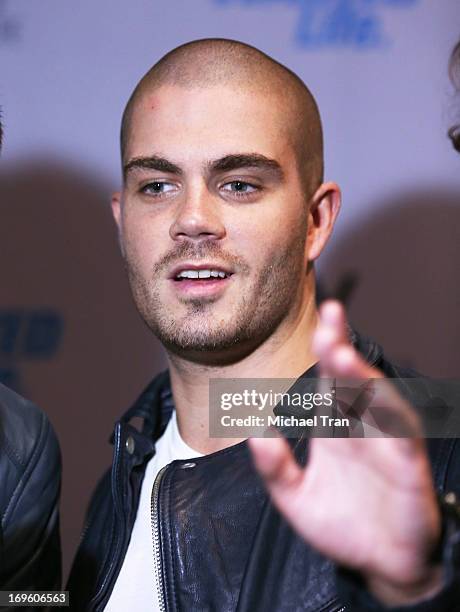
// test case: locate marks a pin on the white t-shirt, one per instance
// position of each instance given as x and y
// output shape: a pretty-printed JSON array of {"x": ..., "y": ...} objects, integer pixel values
[{"x": 135, "y": 588}]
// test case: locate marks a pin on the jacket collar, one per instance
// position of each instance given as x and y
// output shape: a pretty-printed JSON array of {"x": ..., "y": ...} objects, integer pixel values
[{"x": 155, "y": 404}]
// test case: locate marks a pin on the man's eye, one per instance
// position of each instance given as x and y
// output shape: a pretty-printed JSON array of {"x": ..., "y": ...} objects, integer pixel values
[
  {"x": 239, "y": 188},
  {"x": 158, "y": 188}
]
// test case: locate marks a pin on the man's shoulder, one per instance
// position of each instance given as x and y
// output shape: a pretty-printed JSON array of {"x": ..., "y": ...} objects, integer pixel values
[
  {"x": 375, "y": 356},
  {"x": 433, "y": 402}
]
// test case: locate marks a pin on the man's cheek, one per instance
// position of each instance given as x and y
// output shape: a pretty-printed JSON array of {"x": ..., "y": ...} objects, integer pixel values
[{"x": 138, "y": 246}]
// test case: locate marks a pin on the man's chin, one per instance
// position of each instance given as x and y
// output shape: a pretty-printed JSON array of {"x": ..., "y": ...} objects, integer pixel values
[
  {"x": 217, "y": 346},
  {"x": 203, "y": 340},
  {"x": 203, "y": 344}
]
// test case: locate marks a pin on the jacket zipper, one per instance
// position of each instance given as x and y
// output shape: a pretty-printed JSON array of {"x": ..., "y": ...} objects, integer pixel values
[
  {"x": 157, "y": 565},
  {"x": 158, "y": 570},
  {"x": 331, "y": 607}
]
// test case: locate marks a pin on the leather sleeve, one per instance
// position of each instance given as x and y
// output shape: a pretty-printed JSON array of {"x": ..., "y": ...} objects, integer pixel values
[
  {"x": 354, "y": 596},
  {"x": 352, "y": 591},
  {"x": 30, "y": 476}
]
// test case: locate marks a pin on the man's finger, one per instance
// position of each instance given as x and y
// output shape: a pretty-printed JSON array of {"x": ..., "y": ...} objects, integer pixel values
[
  {"x": 386, "y": 412},
  {"x": 330, "y": 334},
  {"x": 331, "y": 344},
  {"x": 276, "y": 464},
  {"x": 332, "y": 315},
  {"x": 345, "y": 361}
]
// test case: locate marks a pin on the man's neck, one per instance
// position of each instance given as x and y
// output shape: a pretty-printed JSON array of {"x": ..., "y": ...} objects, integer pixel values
[{"x": 285, "y": 354}]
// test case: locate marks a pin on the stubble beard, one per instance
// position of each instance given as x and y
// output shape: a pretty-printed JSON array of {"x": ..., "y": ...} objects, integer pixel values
[{"x": 257, "y": 314}]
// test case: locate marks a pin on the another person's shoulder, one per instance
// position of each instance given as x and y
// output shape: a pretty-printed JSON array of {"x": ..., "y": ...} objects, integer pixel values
[
  {"x": 30, "y": 473},
  {"x": 24, "y": 428},
  {"x": 30, "y": 457}
]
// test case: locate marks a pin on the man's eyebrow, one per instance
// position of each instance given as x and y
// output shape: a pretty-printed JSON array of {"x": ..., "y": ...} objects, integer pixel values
[
  {"x": 246, "y": 160},
  {"x": 153, "y": 162},
  {"x": 224, "y": 164}
]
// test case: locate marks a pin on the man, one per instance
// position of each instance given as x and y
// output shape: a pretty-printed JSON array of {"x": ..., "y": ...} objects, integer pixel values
[
  {"x": 30, "y": 473},
  {"x": 222, "y": 213}
]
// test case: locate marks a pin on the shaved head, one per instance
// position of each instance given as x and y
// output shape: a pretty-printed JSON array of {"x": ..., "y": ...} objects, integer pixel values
[{"x": 214, "y": 62}]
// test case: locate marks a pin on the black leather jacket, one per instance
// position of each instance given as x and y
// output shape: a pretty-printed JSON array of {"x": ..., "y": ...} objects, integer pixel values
[
  {"x": 220, "y": 546},
  {"x": 30, "y": 477}
]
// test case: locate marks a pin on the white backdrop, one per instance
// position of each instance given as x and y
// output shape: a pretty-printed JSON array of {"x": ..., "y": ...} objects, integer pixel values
[{"x": 68, "y": 69}]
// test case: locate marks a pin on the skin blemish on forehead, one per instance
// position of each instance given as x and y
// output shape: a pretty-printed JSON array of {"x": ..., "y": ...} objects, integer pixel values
[{"x": 150, "y": 102}]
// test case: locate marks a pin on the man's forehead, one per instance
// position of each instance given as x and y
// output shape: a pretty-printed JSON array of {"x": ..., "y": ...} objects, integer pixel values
[
  {"x": 223, "y": 97},
  {"x": 224, "y": 90},
  {"x": 216, "y": 117}
]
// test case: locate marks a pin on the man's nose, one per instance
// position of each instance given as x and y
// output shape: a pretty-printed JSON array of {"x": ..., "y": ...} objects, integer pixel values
[{"x": 198, "y": 217}]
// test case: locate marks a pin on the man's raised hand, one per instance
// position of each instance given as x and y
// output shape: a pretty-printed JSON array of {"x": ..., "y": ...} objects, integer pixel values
[{"x": 366, "y": 503}]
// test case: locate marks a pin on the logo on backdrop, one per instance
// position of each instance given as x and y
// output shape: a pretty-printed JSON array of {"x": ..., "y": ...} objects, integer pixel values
[
  {"x": 27, "y": 335},
  {"x": 10, "y": 27},
  {"x": 338, "y": 23}
]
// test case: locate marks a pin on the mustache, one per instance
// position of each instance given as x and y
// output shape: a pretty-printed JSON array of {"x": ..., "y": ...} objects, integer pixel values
[{"x": 200, "y": 251}]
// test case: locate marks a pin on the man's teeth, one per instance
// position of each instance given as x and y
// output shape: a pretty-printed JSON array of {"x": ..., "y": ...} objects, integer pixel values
[{"x": 201, "y": 274}]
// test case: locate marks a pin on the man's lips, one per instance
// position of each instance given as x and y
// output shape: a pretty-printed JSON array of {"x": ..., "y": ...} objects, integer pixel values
[
  {"x": 203, "y": 280},
  {"x": 206, "y": 271}
]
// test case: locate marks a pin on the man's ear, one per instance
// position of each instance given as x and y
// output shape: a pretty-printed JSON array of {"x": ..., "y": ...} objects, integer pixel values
[
  {"x": 323, "y": 210},
  {"x": 116, "y": 208},
  {"x": 116, "y": 212}
]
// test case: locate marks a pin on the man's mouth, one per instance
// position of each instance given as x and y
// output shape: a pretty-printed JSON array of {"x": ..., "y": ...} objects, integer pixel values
[
  {"x": 205, "y": 280},
  {"x": 207, "y": 274},
  {"x": 207, "y": 271}
]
